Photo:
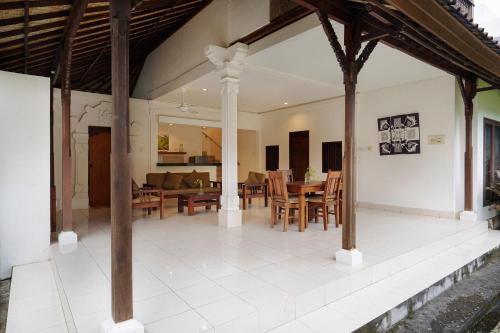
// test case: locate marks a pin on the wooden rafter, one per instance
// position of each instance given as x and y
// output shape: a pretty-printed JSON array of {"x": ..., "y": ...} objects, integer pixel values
[
  {"x": 74, "y": 19},
  {"x": 26, "y": 32}
]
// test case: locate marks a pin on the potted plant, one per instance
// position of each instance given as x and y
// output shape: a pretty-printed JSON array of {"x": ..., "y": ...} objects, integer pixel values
[
  {"x": 199, "y": 182},
  {"x": 309, "y": 175}
]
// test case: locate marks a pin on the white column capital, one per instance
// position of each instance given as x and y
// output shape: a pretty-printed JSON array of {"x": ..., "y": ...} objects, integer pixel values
[{"x": 228, "y": 61}]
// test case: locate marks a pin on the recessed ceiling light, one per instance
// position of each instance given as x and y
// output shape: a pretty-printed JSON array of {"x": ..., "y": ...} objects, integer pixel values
[
  {"x": 204, "y": 127},
  {"x": 204, "y": 89},
  {"x": 286, "y": 103},
  {"x": 170, "y": 124}
]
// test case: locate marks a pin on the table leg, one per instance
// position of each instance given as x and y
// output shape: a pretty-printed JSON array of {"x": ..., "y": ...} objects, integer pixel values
[
  {"x": 302, "y": 209},
  {"x": 190, "y": 207},
  {"x": 180, "y": 205}
]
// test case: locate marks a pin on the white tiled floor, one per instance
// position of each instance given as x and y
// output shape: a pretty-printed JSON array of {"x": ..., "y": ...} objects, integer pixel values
[{"x": 192, "y": 276}]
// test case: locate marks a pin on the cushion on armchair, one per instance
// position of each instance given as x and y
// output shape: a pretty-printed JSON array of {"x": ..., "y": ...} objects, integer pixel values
[
  {"x": 172, "y": 181},
  {"x": 255, "y": 178}
]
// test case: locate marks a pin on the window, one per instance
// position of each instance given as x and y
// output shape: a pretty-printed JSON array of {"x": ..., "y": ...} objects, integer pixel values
[
  {"x": 332, "y": 156},
  {"x": 491, "y": 158},
  {"x": 272, "y": 158}
]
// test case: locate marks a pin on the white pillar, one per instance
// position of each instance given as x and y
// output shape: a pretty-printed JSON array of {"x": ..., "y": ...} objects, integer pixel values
[{"x": 229, "y": 63}]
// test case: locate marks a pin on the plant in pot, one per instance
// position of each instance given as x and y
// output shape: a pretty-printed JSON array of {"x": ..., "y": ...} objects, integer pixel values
[
  {"x": 199, "y": 182},
  {"x": 310, "y": 174}
]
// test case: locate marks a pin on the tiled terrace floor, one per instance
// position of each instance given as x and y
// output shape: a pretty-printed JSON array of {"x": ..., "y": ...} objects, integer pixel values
[{"x": 192, "y": 276}]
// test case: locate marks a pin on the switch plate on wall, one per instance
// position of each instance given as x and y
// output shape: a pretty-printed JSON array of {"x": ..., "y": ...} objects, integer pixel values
[{"x": 438, "y": 139}]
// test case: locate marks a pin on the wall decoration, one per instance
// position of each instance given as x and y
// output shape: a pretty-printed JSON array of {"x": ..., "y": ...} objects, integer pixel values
[
  {"x": 163, "y": 142},
  {"x": 399, "y": 134}
]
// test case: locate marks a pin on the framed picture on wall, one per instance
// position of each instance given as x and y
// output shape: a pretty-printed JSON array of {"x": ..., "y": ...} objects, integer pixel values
[{"x": 399, "y": 134}]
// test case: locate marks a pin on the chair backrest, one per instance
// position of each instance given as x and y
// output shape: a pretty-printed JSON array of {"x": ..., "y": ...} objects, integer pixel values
[
  {"x": 332, "y": 185},
  {"x": 277, "y": 186},
  {"x": 288, "y": 174}
]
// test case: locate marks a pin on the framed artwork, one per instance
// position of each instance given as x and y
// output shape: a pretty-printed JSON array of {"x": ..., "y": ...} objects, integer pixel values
[
  {"x": 399, "y": 134},
  {"x": 163, "y": 142}
]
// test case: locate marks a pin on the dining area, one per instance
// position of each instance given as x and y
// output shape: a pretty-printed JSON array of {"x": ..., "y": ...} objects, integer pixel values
[{"x": 302, "y": 201}]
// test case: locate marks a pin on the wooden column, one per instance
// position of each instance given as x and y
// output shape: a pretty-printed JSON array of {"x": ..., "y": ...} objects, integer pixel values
[
  {"x": 67, "y": 178},
  {"x": 352, "y": 43},
  {"x": 468, "y": 89},
  {"x": 351, "y": 64},
  {"x": 121, "y": 187},
  {"x": 52, "y": 178}
]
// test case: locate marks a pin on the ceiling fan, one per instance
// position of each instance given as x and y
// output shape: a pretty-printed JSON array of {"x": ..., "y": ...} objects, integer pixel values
[{"x": 184, "y": 107}]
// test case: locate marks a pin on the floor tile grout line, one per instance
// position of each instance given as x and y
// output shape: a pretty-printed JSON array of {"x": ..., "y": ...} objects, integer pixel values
[{"x": 68, "y": 315}]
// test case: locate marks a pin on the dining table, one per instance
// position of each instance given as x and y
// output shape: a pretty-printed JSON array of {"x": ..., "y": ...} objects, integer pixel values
[{"x": 301, "y": 188}]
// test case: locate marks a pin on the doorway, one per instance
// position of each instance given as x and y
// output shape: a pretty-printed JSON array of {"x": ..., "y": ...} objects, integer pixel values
[
  {"x": 299, "y": 153},
  {"x": 99, "y": 166}
]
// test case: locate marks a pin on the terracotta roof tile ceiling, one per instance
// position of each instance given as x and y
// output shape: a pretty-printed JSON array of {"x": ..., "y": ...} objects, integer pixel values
[{"x": 451, "y": 6}]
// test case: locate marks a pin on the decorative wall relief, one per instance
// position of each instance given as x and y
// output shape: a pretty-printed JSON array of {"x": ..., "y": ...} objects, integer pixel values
[
  {"x": 80, "y": 162},
  {"x": 399, "y": 134}
]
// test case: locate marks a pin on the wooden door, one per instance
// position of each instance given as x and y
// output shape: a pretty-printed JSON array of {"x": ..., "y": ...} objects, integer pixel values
[
  {"x": 299, "y": 153},
  {"x": 99, "y": 166},
  {"x": 272, "y": 158}
]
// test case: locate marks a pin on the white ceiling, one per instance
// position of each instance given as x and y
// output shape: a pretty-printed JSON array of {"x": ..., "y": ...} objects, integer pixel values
[{"x": 304, "y": 69}]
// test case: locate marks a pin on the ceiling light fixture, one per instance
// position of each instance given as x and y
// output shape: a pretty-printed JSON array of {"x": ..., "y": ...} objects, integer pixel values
[
  {"x": 170, "y": 124},
  {"x": 286, "y": 103},
  {"x": 204, "y": 89}
]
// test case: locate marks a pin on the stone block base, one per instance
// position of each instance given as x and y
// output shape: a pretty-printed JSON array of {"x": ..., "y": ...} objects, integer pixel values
[
  {"x": 230, "y": 218},
  {"x": 349, "y": 257},
  {"x": 68, "y": 241},
  {"x": 468, "y": 216},
  {"x": 129, "y": 326}
]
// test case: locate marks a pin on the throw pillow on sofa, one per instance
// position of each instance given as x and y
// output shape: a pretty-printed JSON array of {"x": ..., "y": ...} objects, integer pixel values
[
  {"x": 190, "y": 180},
  {"x": 172, "y": 181}
]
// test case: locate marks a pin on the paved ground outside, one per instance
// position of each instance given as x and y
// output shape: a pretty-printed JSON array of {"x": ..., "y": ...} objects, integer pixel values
[
  {"x": 4, "y": 303},
  {"x": 476, "y": 298}
]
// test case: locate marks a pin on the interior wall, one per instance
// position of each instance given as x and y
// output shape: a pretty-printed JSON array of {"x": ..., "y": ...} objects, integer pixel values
[
  {"x": 189, "y": 136},
  {"x": 247, "y": 152},
  {"x": 88, "y": 109},
  {"x": 24, "y": 170},
  {"x": 324, "y": 120}
]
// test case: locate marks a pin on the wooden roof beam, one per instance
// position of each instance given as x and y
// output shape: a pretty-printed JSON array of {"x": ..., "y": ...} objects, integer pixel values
[
  {"x": 74, "y": 19},
  {"x": 26, "y": 27}
]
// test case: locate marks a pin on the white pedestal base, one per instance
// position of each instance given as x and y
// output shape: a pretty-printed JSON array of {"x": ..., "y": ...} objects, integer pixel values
[
  {"x": 468, "y": 216},
  {"x": 351, "y": 258},
  {"x": 129, "y": 326},
  {"x": 68, "y": 241},
  {"x": 230, "y": 218}
]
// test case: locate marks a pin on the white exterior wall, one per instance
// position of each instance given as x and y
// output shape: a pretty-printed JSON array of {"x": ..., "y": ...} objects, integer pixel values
[
  {"x": 24, "y": 170},
  {"x": 88, "y": 109},
  {"x": 424, "y": 183}
]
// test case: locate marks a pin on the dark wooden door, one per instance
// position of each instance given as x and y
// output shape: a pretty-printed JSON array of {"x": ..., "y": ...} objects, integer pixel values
[
  {"x": 272, "y": 158},
  {"x": 99, "y": 166},
  {"x": 299, "y": 153}
]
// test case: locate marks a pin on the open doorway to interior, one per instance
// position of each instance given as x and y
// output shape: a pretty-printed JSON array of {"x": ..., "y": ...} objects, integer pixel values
[{"x": 99, "y": 166}]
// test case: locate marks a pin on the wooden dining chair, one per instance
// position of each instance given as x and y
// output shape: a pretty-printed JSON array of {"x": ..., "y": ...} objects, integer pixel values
[
  {"x": 288, "y": 174},
  {"x": 280, "y": 199},
  {"x": 321, "y": 204}
]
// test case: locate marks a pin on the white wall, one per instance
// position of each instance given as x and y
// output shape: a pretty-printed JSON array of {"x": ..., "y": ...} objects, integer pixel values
[
  {"x": 324, "y": 120},
  {"x": 425, "y": 180},
  {"x": 24, "y": 170},
  {"x": 88, "y": 109},
  {"x": 181, "y": 58}
]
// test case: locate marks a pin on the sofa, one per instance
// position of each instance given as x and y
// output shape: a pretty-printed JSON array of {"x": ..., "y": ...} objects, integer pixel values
[{"x": 156, "y": 180}]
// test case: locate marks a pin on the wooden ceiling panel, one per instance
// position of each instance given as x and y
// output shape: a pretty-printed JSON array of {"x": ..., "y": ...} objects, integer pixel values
[{"x": 30, "y": 42}]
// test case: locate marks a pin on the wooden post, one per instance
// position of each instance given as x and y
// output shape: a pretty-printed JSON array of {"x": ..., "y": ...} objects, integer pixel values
[
  {"x": 52, "y": 178},
  {"x": 352, "y": 42},
  {"x": 121, "y": 186},
  {"x": 468, "y": 89},
  {"x": 67, "y": 179}
]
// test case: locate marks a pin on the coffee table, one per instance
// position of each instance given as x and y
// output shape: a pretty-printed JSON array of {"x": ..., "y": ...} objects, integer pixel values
[{"x": 192, "y": 200}]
